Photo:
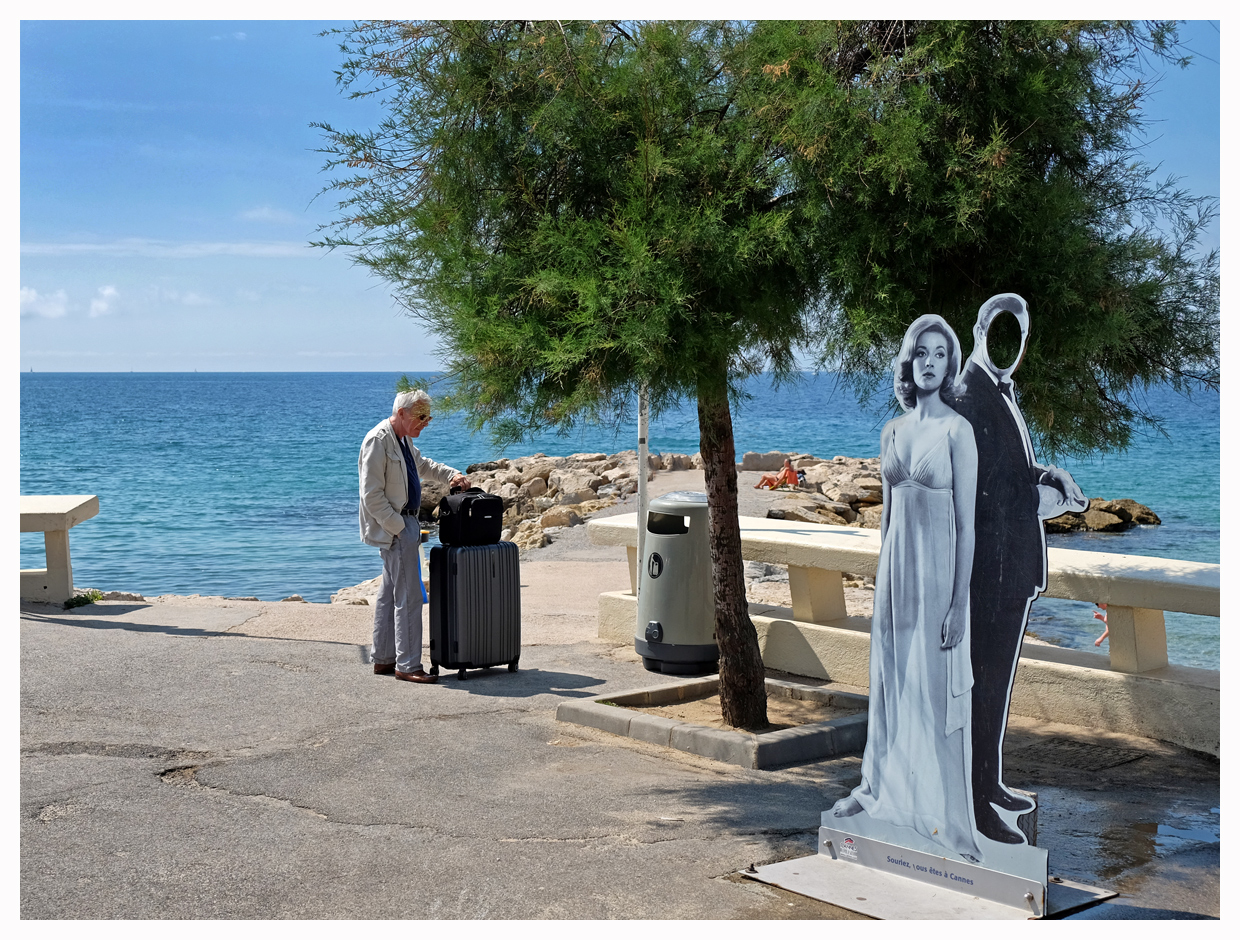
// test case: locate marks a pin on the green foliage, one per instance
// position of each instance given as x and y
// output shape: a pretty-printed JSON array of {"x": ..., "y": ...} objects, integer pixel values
[
  {"x": 577, "y": 209},
  {"x": 81, "y": 600},
  {"x": 963, "y": 159}
]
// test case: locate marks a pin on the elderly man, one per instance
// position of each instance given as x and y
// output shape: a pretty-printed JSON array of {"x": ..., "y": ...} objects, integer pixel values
[{"x": 390, "y": 470}]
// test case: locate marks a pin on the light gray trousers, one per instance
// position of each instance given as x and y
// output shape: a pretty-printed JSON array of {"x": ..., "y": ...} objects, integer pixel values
[{"x": 398, "y": 611}]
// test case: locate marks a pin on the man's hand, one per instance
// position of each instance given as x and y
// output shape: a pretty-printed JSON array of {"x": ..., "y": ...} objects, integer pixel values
[
  {"x": 460, "y": 481},
  {"x": 1063, "y": 479}
]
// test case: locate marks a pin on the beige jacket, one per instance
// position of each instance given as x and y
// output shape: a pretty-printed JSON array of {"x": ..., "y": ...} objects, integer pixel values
[{"x": 383, "y": 485}]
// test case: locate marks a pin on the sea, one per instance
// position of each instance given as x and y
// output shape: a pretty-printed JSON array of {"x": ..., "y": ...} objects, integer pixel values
[{"x": 245, "y": 483}]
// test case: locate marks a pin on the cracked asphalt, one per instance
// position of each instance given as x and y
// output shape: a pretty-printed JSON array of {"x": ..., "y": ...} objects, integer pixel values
[{"x": 191, "y": 758}]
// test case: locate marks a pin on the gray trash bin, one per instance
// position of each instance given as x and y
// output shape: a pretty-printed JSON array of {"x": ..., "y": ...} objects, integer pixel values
[{"x": 676, "y": 599}]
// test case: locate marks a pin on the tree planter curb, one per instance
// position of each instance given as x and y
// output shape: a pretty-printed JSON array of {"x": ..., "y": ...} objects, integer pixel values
[{"x": 836, "y": 737}]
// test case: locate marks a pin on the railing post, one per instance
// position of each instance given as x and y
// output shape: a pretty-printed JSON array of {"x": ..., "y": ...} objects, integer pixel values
[
  {"x": 1137, "y": 638},
  {"x": 817, "y": 594}
]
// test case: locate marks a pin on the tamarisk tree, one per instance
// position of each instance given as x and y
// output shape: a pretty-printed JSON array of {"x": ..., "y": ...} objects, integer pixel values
[{"x": 578, "y": 210}]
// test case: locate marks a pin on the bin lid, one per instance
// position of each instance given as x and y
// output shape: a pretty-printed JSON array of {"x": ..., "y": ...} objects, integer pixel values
[{"x": 679, "y": 501}]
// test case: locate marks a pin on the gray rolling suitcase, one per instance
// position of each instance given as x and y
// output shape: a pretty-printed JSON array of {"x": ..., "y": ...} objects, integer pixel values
[{"x": 475, "y": 617}]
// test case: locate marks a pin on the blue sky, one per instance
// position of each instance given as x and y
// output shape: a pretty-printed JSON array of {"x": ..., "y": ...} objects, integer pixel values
[{"x": 168, "y": 177}]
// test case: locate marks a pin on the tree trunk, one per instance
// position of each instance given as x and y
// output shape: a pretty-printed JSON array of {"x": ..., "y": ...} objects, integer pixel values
[{"x": 742, "y": 677}]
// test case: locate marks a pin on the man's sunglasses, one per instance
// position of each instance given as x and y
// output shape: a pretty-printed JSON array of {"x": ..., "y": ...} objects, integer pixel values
[{"x": 423, "y": 418}]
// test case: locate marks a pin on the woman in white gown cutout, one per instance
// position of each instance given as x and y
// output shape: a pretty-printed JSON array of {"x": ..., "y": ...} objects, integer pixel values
[{"x": 918, "y": 756}]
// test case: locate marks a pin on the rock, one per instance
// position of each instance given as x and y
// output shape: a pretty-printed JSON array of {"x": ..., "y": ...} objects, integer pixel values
[
  {"x": 847, "y": 493},
  {"x": 432, "y": 493},
  {"x": 574, "y": 481},
  {"x": 870, "y": 517},
  {"x": 534, "y": 487},
  {"x": 507, "y": 534},
  {"x": 128, "y": 596},
  {"x": 840, "y": 509},
  {"x": 529, "y": 535},
  {"x": 761, "y": 571},
  {"x": 540, "y": 465},
  {"x": 698, "y": 462},
  {"x": 248, "y": 598},
  {"x": 677, "y": 462},
  {"x": 1098, "y": 521},
  {"x": 799, "y": 514},
  {"x": 821, "y": 474},
  {"x": 508, "y": 493},
  {"x": 1104, "y": 515},
  {"x": 1068, "y": 522},
  {"x": 872, "y": 486},
  {"x": 654, "y": 461},
  {"x": 501, "y": 464},
  {"x": 771, "y": 460},
  {"x": 832, "y": 518},
  {"x": 805, "y": 461},
  {"x": 1127, "y": 509},
  {"x": 294, "y": 597},
  {"x": 559, "y": 516},
  {"x": 363, "y": 591},
  {"x": 543, "y": 502}
]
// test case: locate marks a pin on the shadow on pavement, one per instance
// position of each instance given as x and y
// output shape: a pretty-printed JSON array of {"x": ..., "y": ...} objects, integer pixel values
[{"x": 501, "y": 683}]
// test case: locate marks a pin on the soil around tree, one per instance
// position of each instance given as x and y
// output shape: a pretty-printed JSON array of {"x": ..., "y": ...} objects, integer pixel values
[{"x": 782, "y": 712}]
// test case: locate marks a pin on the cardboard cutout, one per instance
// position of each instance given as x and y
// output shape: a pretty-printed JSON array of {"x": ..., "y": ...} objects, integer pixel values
[{"x": 963, "y": 556}]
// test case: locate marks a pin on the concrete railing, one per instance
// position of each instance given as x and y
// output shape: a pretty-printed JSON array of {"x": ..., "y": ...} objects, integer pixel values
[
  {"x": 54, "y": 516},
  {"x": 1141, "y": 692}
]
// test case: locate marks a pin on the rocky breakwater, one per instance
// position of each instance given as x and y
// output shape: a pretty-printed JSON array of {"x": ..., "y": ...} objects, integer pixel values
[
  {"x": 849, "y": 491},
  {"x": 543, "y": 493},
  {"x": 840, "y": 491}
]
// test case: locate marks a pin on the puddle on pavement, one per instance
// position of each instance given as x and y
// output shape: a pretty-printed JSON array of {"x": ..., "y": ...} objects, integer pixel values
[{"x": 1132, "y": 845}]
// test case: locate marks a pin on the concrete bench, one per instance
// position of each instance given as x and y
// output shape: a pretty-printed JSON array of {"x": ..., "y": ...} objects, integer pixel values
[
  {"x": 54, "y": 516},
  {"x": 1140, "y": 694}
]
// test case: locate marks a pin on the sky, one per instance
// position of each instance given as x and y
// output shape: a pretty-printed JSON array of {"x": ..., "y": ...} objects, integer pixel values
[{"x": 168, "y": 189}]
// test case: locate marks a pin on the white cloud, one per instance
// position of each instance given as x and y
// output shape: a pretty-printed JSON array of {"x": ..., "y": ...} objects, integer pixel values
[
  {"x": 189, "y": 298},
  {"x": 44, "y": 305},
  {"x": 101, "y": 303},
  {"x": 268, "y": 214},
  {"x": 150, "y": 248}
]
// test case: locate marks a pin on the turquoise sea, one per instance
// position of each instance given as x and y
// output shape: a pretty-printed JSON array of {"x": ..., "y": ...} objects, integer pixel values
[{"x": 246, "y": 483}]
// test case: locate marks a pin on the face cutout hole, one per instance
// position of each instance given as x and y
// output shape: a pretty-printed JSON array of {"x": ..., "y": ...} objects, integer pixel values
[{"x": 1003, "y": 340}]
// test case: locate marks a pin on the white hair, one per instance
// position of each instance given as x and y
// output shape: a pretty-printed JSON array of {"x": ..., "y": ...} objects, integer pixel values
[{"x": 406, "y": 400}]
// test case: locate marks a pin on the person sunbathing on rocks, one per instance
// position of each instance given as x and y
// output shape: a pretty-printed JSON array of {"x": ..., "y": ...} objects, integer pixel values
[{"x": 786, "y": 477}]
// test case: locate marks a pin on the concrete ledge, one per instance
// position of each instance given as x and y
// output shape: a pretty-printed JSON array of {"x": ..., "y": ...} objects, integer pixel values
[
  {"x": 824, "y": 739},
  {"x": 1178, "y": 704}
]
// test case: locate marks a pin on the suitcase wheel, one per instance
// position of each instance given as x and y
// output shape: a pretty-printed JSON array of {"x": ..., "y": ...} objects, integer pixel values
[
  {"x": 435, "y": 669},
  {"x": 512, "y": 666},
  {"x": 460, "y": 673}
]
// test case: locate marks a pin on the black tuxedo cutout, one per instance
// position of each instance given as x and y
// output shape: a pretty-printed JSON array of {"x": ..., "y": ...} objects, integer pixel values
[{"x": 1009, "y": 570}]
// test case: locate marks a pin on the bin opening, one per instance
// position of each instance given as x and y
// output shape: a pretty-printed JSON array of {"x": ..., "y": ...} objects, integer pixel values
[{"x": 666, "y": 523}]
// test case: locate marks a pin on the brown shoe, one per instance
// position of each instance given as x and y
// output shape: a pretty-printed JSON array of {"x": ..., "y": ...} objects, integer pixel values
[
  {"x": 419, "y": 676},
  {"x": 384, "y": 669}
]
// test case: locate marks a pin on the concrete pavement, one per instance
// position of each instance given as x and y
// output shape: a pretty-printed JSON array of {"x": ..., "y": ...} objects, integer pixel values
[{"x": 200, "y": 758}]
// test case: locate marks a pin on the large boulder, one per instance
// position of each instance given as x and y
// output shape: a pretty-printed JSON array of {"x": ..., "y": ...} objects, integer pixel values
[
  {"x": 871, "y": 517},
  {"x": 771, "y": 460},
  {"x": 1127, "y": 509},
  {"x": 529, "y": 535},
  {"x": 534, "y": 487},
  {"x": 575, "y": 481},
  {"x": 843, "y": 510},
  {"x": 539, "y": 465},
  {"x": 1098, "y": 521},
  {"x": 432, "y": 493},
  {"x": 559, "y": 516}
]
